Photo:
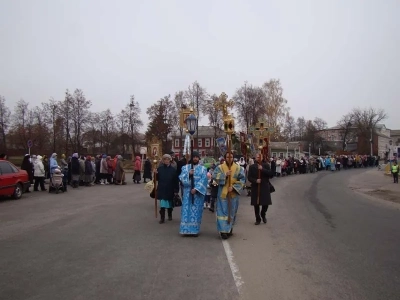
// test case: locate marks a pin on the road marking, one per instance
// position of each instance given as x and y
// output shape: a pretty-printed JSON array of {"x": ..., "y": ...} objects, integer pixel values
[{"x": 234, "y": 268}]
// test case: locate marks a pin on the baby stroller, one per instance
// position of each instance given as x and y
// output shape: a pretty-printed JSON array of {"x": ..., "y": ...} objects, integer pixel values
[{"x": 57, "y": 182}]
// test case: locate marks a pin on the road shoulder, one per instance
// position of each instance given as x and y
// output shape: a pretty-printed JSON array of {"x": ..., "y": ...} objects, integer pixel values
[{"x": 376, "y": 185}]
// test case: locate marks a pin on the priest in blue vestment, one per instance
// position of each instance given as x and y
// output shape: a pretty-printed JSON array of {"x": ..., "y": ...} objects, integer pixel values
[
  {"x": 194, "y": 186},
  {"x": 228, "y": 172}
]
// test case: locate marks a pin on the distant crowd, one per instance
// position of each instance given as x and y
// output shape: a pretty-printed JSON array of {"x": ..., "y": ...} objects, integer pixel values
[{"x": 80, "y": 170}]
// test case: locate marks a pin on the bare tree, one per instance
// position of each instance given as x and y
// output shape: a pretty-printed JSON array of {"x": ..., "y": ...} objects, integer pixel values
[
  {"x": 275, "y": 104},
  {"x": 196, "y": 96},
  {"x": 93, "y": 135},
  {"x": 51, "y": 111},
  {"x": 4, "y": 122},
  {"x": 180, "y": 102},
  {"x": 365, "y": 120},
  {"x": 368, "y": 118},
  {"x": 122, "y": 123},
  {"x": 79, "y": 116},
  {"x": 135, "y": 123},
  {"x": 22, "y": 119},
  {"x": 310, "y": 133},
  {"x": 320, "y": 124},
  {"x": 215, "y": 118},
  {"x": 301, "y": 127},
  {"x": 346, "y": 124},
  {"x": 66, "y": 108},
  {"x": 107, "y": 128},
  {"x": 161, "y": 116},
  {"x": 40, "y": 131},
  {"x": 249, "y": 104},
  {"x": 289, "y": 128}
]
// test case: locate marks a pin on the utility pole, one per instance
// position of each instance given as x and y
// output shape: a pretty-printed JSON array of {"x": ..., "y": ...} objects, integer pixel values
[
  {"x": 247, "y": 115},
  {"x": 371, "y": 141},
  {"x": 131, "y": 107}
]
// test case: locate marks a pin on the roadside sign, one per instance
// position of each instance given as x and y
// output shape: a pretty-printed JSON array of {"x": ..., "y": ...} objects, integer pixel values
[
  {"x": 143, "y": 150},
  {"x": 30, "y": 144}
]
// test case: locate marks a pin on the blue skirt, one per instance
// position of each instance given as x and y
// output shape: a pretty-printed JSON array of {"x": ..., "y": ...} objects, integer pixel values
[{"x": 165, "y": 203}]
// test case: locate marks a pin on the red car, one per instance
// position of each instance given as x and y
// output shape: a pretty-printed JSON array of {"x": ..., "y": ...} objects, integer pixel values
[{"x": 13, "y": 182}]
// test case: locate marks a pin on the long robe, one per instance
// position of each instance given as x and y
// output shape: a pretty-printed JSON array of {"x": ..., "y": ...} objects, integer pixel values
[
  {"x": 266, "y": 173},
  {"x": 237, "y": 180},
  {"x": 191, "y": 213}
]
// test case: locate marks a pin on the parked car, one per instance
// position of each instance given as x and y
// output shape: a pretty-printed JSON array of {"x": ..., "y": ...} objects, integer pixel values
[{"x": 13, "y": 182}]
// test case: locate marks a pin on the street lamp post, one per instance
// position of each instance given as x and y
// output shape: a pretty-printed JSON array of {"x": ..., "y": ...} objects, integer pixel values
[
  {"x": 166, "y": 127},
  {"x": 371, "y": 142},
  {"x": 101, "y": 139},
  {"x": 390, "y": 148},
  {"x": 309, "y": 150},
  {"x": 299, "y": 149},
  {"x": 131, "y": 108},
  {"x": 287, "y": 149},
  {"x": 191, "y": 125}
]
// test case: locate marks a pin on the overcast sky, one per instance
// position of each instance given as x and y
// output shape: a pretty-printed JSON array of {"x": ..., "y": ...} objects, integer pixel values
[{"x": 330, "y": 55}]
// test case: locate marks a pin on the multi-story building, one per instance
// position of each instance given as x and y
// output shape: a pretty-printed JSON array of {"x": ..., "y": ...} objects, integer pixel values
[
  {"x": 204, "y": 141},
  {"x": 380, "y": 139},
  {"x": 395, "y": 147}
]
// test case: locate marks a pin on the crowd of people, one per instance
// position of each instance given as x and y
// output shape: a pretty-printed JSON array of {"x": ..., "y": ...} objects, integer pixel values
[
  {"x": 302, "y": 165},
  {"x": 217, "y": 188},
  {"x": 79, "y": 170}
]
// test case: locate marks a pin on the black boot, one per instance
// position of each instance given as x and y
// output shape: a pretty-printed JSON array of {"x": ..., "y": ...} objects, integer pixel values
[
  {"x": 162, "y": 215},
  {"x": 169, "y": 214}
]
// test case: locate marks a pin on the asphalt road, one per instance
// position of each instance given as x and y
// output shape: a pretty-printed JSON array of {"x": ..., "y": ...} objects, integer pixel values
[{"x": 322, "y": 241}]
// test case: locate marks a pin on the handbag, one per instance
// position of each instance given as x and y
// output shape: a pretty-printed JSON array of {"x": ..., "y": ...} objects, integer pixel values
[
  {"x": 153, "y": 193},
  {"x": 271, "y": 188},
  {"x": 177, "y": 201}
]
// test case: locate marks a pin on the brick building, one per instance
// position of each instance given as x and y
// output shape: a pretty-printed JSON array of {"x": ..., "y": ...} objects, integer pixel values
[
  {"x": 204, "y": 144},
  {"x": 356, "y": 143}
]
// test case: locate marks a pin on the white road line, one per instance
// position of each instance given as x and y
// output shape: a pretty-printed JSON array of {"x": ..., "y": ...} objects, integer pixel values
[{"x": 234, "y": 268}]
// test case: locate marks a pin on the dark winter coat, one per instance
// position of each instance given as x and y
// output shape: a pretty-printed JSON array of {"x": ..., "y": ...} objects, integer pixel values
[
  {"x": 88, "y": 167},
  {"x": 97, "y": 163},
  {"x": 167, "y": 182},
  {"x": 28, "y": 167},
  {"x": 266, "y": 174},
  {"x": 75, "y": 168},
  {"x": 147, "y": 170}
]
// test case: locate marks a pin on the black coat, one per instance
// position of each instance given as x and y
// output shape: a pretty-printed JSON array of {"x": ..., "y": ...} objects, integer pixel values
[
  {"x": 75, "y": 168},
  {"x": 147, "y": 170},
  {"x": 97, "y": 163},
  {"x": 266, "y": 174},
  {"x": 28, "y": 167},
  {"x": 167, "y": 182},
  {"x": 88, "y": 167}
]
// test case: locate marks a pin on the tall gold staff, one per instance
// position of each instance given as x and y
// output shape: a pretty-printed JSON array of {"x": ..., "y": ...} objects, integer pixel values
[
  {"x": 155, "y": 184},
  {"x": 259, "y": 177},
  {"x": 260, "y": 133},
  {"x": 229, "y": 195},
  {"x": 229, "y": 128}
]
